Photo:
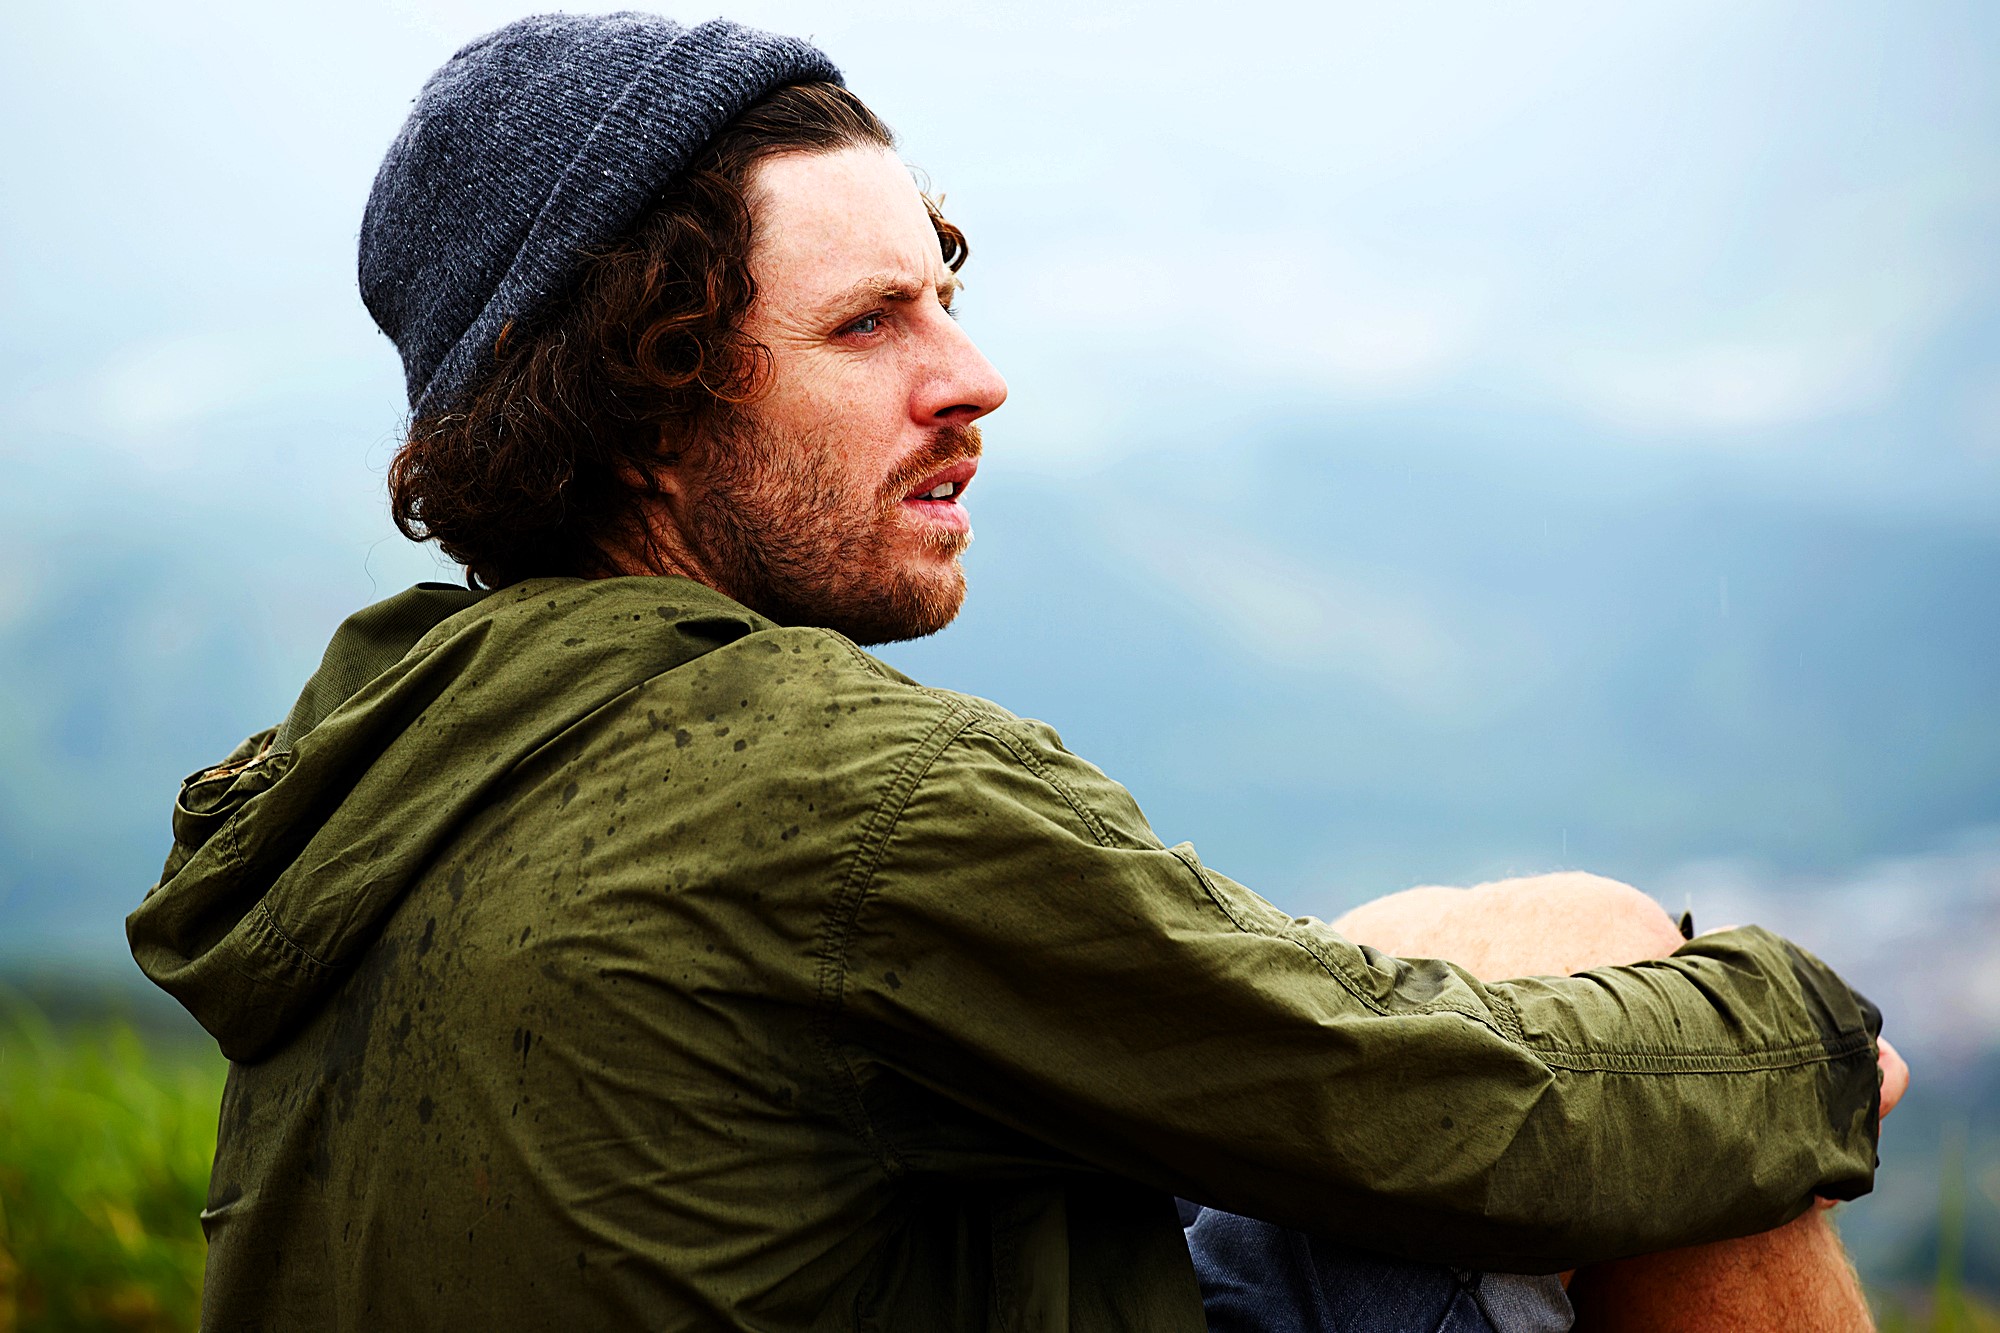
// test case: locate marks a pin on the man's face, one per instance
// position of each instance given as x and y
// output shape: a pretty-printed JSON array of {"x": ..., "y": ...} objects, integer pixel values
[{"x": 834, "y": 499}]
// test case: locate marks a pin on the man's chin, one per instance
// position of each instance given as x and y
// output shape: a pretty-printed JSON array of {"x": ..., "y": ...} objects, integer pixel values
[{"x": 911, "y": 609}]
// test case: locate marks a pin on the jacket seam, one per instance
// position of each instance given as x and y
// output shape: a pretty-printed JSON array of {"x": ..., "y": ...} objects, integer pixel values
[
  {"x": 1509, "y": 1014},
  {"x": 1029, "y": 760},
  {"x": 1485, "y": 1018},
  {"x": 842, "y": 914},
  {"x": 1504, "y": 1019},
  {"x": 231, "y": 838},
  {"x": 231, "y": 835},
  {"x": 303, "y": 956},
  {"x": 1327, "y": 965},
  {"x": 1235, "y": 918},
  {"x": 1700, "y": 1062},
  {"x": 867, "y": 663}
]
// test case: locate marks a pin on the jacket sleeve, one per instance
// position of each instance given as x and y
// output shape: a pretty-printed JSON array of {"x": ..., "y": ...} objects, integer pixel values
[{"x": 1016, "y": 941}]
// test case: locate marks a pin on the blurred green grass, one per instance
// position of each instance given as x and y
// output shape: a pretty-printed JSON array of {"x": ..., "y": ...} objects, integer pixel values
[
  {"x": 105, "y": 1144},
  {"x": 1946, "y": 1306},
  {"x": 107, "y": 1130}
]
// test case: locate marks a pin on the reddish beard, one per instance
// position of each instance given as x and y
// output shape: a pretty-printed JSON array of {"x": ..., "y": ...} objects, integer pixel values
[{"x": 778, "y": 527}]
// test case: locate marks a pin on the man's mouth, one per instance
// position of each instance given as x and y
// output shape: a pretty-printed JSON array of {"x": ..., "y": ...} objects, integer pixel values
[
  {"x": 934, "y": 501},
  {"x": 945, "y": 485}
]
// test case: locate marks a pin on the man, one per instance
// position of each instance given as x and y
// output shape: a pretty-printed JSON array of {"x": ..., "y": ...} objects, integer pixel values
[{"x": 613, "y": 943}]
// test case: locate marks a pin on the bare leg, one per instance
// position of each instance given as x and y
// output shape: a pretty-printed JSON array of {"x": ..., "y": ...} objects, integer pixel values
[{"x": 1794, "y": 1278}]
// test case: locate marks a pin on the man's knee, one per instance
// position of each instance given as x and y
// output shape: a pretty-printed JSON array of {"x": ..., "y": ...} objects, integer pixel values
[{"x": 1538, "y": 925}]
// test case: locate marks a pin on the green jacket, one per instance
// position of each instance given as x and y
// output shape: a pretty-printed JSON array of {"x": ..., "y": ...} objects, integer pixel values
[{"x": 601, "y": 955}]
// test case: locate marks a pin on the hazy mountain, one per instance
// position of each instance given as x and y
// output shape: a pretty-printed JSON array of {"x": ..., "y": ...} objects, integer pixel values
[{"x": 1341, "y": 661}]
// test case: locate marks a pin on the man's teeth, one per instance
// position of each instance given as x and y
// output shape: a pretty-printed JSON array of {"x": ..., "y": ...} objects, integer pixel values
[{"x": 944, "y": 492}]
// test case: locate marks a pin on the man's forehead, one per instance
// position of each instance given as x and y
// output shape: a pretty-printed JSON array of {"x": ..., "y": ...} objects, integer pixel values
[{"x": 847, "y": 225}]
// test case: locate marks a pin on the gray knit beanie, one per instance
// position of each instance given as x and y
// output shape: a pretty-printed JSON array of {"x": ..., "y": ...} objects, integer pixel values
[{"x": 542, "y": 139}]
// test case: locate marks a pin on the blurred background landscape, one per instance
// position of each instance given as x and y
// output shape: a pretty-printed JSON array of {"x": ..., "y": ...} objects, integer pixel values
[{"x": 1447, "y": 440}]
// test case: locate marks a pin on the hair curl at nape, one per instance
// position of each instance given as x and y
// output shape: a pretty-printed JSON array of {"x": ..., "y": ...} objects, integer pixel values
[{"x": 550, "y": 456}]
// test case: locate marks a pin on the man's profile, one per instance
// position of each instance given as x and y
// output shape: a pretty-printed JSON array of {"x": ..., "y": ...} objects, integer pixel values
[{"x": 614, "y": 943}]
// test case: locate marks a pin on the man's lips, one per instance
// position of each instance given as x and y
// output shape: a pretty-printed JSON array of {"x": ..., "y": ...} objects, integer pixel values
[
  {"x": 934, "y": 501},
  {"x": 951, "y": 481}
]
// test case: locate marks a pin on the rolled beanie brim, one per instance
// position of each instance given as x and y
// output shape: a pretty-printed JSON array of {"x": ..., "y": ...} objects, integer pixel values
[{"x": 476, "y": 221}]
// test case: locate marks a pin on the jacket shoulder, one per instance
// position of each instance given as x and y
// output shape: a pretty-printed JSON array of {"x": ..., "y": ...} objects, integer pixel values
[{"x": 820, "y": 670}]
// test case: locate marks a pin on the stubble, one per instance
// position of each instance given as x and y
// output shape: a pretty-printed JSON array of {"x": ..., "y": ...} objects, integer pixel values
[{"x": 779, "y": 530}]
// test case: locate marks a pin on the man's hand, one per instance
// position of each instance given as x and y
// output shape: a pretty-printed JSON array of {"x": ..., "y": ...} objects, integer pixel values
[{"x": 1895, "y": 1075}]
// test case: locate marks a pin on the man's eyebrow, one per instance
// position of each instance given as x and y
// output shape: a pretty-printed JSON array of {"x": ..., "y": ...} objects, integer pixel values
[{"x": 891, "y": 287}]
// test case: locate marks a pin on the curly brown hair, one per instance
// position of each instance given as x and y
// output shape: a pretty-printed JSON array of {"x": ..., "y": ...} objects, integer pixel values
[{"x": 551, "y": 454}]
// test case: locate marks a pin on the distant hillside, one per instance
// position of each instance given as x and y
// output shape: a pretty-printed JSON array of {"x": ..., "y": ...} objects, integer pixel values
[{"x": 1340, "y": 661}]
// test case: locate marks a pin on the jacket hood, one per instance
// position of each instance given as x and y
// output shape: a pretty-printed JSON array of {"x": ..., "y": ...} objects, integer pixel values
[{"x": 290, "y": 854}]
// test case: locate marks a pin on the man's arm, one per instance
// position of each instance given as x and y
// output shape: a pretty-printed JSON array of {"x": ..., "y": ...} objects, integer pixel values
[{"x": 1020, "y": 943}]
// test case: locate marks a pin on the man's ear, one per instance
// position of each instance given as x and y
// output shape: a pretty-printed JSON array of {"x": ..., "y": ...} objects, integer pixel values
[
  {"x": 663, "y": 483},
  {"x": 668, "y": 472}
]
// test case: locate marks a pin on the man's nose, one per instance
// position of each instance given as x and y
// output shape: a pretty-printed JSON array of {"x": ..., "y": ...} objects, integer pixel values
[{"x": 963, "y": 385}]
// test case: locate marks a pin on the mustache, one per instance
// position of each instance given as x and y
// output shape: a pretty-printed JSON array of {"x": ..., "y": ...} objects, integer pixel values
[{"x": 953, "y": 443}]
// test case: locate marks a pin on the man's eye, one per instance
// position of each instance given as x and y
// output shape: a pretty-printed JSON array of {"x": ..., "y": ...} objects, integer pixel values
[{"x": 866, "y": 324}]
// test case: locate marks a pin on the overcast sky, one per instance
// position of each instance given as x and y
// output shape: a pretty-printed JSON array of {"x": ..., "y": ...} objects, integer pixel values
[{"x": 1699, "y": 224}]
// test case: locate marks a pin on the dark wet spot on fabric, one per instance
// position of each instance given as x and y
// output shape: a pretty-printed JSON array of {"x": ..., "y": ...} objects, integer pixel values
[
  {"x": 664, "y": 613},
  {"x": 569, "y": 793},
  {"x": 588, "y": 843},
  {"x": 343, "y": 1070},
  {"x": 425, "y": 1107},
  {"x": 238, "y": 1103},
  {"x": 1446, "y": 1123},
  {"x": 430, "y": 933},
  {"x": 572, "y": 642},
  {"x": 457, "y": 884},
  {"x": 740, "y": 746},
  {"x": 681, "y": 738},
  {"x": 525, "y": 930},
  {"x": 895, "y": 982}
]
